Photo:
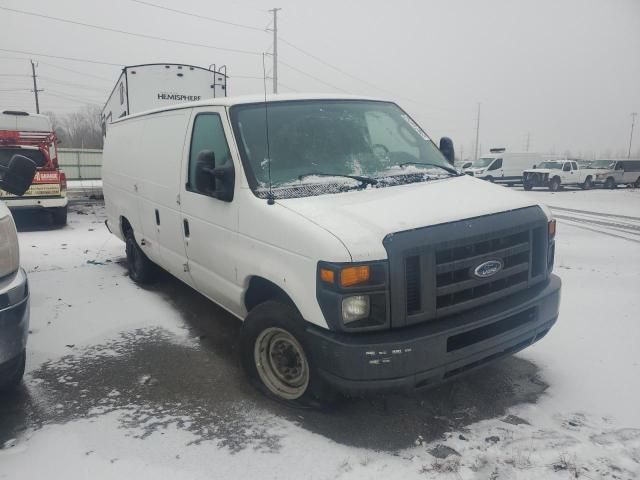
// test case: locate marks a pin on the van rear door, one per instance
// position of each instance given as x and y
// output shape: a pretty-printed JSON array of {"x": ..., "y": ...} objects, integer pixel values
[{"x": 210, "y": 225}]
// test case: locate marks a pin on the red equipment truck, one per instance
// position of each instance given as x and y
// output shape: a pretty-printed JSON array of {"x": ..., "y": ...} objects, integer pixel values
[{"x": 31, "y": 135}]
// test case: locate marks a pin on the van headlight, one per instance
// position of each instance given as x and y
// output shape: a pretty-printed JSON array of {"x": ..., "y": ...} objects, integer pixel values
[
  {"x": 354, "y": 296},
  {"x": 355, "y": 308},
  {"x": 9, "y": 252}
]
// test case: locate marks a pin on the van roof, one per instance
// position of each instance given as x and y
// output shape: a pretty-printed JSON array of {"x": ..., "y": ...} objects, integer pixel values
[{"x": 245, "y": 99}]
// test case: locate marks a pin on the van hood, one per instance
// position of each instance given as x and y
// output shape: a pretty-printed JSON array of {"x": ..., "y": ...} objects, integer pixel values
[{"x": 362, "y": 219}]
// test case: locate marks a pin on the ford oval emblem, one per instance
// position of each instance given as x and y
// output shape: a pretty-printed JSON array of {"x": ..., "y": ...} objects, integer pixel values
[{"x": 488, "y": 268}]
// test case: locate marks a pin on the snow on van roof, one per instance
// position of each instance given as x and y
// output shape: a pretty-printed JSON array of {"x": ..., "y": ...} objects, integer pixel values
[{"x": 246, "y": 99}]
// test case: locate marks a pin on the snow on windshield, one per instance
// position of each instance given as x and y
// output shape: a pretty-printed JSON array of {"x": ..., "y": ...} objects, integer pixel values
[{"x": 330, "y": 137}]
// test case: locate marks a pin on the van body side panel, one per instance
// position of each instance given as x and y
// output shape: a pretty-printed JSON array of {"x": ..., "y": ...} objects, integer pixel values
[
  {"x": 163, "y": 140},
  {"x": 120, "y": 174}
]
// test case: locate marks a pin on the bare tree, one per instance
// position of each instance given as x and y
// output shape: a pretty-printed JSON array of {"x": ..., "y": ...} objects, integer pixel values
[{"x": 80, "y": 129}]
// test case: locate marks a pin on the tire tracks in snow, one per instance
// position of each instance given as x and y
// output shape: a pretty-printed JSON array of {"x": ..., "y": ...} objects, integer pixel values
[{"x": 619, "y": 226}]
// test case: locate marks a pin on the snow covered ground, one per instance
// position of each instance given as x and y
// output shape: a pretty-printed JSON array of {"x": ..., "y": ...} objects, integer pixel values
[{"x": 125, "y": 382}]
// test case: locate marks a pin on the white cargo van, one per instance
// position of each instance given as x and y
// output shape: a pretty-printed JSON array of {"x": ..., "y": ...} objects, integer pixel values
[
  {"x": 611, "y": 173},
  {"x": 501, "y": 166},
  {"x": 356, "y": 256}
]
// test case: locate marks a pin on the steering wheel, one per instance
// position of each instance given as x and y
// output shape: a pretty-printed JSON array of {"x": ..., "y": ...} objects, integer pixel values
[{"x": 379, "y": 150}]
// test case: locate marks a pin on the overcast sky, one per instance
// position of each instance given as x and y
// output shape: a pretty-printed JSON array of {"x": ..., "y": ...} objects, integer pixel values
[{"x": 566, "y": 73}]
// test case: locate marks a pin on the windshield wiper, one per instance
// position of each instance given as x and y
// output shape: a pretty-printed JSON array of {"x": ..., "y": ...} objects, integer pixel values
[
  {"x": 363, "y": 180},
  {"x": 453, "y": 171}
]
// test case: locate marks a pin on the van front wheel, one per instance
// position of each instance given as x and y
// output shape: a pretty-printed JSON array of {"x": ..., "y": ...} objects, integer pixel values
[
  {"x": 276, "y": 358},
  {"x": 141, "y": 269}
]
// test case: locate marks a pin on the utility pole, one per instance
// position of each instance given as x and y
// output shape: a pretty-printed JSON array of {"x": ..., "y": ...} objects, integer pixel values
[
  {"x": 275, "y": 48},
  {"x": 35, "y": 85},
  {"x": 475, "y": 157},
  {"x": 633, "y": 122}
]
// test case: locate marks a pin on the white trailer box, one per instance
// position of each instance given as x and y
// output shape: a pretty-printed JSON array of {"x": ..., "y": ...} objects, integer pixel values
[
  {"x": 502, "y": 166},
  {"x": 155, "y": 85}
]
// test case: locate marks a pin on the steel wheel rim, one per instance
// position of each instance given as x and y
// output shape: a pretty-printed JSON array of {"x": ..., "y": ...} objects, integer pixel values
[{"x": 281, "y": 363}]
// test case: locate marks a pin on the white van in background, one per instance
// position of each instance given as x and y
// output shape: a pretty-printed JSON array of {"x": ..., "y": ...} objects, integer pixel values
[
  {"x": 302, "y": 232},
  {"x": 504, "y": 167}
]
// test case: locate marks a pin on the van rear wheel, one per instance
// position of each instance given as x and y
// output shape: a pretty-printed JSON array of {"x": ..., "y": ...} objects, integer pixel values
[
  {"x": 141, "y": 269},
  {"x": 276, "y": 357},
  {"x": 554, "y": 184}
]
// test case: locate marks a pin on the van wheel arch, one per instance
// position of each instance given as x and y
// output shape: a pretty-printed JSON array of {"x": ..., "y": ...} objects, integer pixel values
[
  {"x": 260, "y": 290},
  {"x": 125, "y": 226}
]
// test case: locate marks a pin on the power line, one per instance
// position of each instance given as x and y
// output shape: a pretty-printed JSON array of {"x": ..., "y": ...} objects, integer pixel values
[
  {"x": 67, "y": 97},
  {"x": 195, "y": 15},
  {"x": 327, "y": 64},
  {"x": 77, "y": 72},
  {"x": 312, "y": 76},
  {"x": 71, "y": 84},
  {"x": 133, "y": 34},
  {"x": 73, "y": 59},
  {"x": 288, "y": 87},
  {"x": 15, "y": 90},
  {"x": 14, "y": 75}
]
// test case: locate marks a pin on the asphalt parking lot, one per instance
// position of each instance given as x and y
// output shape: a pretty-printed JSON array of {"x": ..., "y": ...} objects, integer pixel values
[{"x": 156, "y": 370}]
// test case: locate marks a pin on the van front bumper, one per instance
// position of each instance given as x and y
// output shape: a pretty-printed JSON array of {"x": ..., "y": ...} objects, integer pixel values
[
  {"x": 427, "y": 354},
  {"x": 14, "y": 316}
]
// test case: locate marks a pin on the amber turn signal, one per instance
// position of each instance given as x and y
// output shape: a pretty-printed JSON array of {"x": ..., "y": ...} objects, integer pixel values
[
  {"x": 552, "y": 229},
  {"x": 327, "y": 275},
  {"x": 354, "y": 275}
]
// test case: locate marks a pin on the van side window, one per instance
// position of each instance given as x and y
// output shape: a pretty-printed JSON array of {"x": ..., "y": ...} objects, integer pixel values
[
  {"x": 496, "y": 165},
  {"x": 620, "y": 166},
  {"x": 207, "y": 137}
]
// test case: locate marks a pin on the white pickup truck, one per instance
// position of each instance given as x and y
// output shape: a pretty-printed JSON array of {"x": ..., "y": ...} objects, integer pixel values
[{"x": 556, "y": 174}]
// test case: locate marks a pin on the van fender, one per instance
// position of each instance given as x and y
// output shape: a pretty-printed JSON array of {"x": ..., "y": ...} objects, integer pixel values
[{"x": 276, "y": 281}]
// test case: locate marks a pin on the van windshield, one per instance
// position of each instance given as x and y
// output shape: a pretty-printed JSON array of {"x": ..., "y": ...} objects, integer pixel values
[
  {"x": 483, "y": 162},
  {"x": 314, "y": 145}
]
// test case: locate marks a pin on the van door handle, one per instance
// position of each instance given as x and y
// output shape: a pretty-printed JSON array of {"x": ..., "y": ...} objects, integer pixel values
[
  {"x": 157, "y": 217},
  {"x": 185, "y": 224}
]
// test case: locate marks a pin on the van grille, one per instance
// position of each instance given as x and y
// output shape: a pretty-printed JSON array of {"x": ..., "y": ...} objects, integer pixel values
[
  {"x": 455, "y": 279},
  {"x": 433, "y": 270}
]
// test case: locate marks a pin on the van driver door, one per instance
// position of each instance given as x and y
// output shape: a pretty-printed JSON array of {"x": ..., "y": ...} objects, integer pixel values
[{"x": 209, "y": 225}]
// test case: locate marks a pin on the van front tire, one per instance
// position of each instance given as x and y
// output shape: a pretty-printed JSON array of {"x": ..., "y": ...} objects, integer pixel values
[
  {"x": 141, "y": 269},
  {"x": 276, "y": 357}
]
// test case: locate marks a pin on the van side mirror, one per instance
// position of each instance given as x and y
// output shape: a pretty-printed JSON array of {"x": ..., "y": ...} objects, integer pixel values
[
  {"x": 466, "y": 165},
  {"x": 17, "y": 176},
  {"x": 217, "y": 182},
  {"x": 535, "y": 166},
  {"x": 446, "y": 147}
]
